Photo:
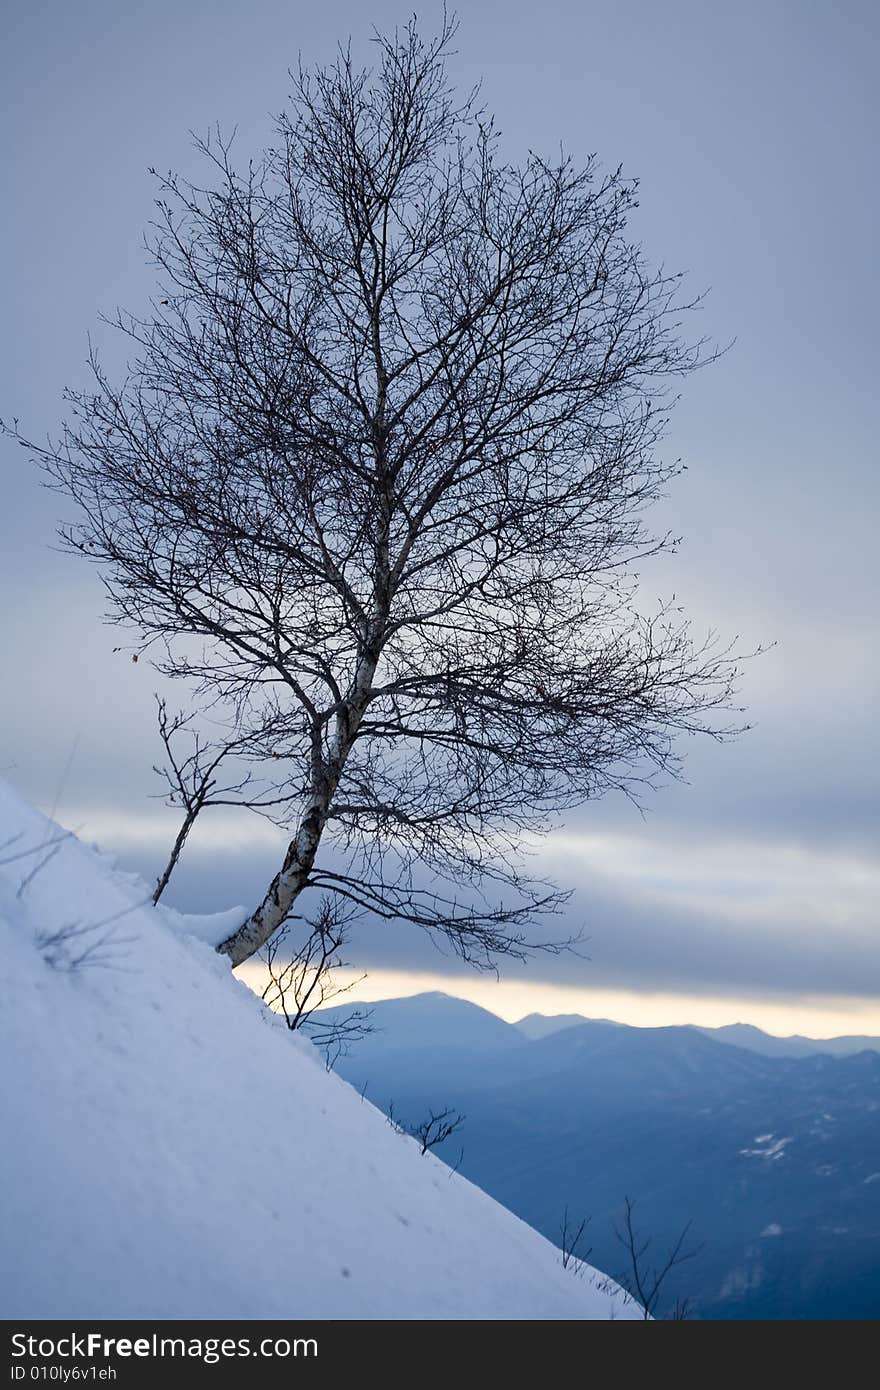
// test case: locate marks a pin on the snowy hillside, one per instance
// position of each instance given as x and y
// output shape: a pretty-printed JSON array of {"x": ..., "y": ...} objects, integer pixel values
[{"x": 170, "y": 1151}]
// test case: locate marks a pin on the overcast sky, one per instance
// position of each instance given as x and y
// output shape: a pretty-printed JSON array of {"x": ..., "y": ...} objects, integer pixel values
[{"x": 750, "y": 891}]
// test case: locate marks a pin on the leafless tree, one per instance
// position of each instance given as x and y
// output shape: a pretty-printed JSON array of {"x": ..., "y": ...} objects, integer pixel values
[
  {"x": 48, "y": 850},
  {"x": 645, "y": 1282},
  {"x": 377, "y": 478},
  {"x": 437, "y": 1126},
  {"x": 71, "y": 945},
  {"x": 192, "y": 778},
  {"x": 303, "y": 977},
  {"x": 395, "y": 1124},
  {"x": 431, "y": 1131},
  {"x": 570, "y": 1237}
]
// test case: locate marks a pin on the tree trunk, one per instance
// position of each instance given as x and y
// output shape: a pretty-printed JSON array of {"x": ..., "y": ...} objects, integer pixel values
[
  {"x": 293, "y": 876},
  {"x": 284, "y": 889},
  {"x": 182, "y": 835}
]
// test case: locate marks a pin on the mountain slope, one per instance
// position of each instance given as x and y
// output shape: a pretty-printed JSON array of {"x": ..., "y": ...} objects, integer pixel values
[
  {"x": 775, "y": 1160},
  {"x": 424, "y": 1040},
  {"x": 434, "y": 1025},
  {"x": 171, "y": 1151}
]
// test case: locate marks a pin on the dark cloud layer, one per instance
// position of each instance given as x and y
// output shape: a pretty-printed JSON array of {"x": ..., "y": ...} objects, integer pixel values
[{"x": 743, "y": 940}]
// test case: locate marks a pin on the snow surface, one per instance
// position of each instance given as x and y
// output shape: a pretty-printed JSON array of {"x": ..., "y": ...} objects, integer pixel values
[
  {"x": 170, "y": 1150},
  {"x": 212, "y": 928}
]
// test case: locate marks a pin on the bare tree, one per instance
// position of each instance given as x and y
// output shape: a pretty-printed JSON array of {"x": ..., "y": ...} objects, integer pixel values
[
  {"x": 437, "y": 1126},
  {"x": 76, "y": 945},
  {"x": 431, "y": 1131},
  {"x": 302, "y": 978},
  {"x": 645, "y": 1282},
  {"x": 377, "y": 479},
  {"x": 72, "y": 945},
  {"x": 395, "y": 1124},
  {"x": 192, "y": 779},
  {"x": 570, "y": 1236}
]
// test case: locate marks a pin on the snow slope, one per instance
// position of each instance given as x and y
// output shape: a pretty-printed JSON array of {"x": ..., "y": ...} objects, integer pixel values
[{"x": 169, "y": 1150}]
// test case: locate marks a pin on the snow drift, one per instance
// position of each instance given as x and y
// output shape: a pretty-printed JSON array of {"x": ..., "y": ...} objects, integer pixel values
[{"x": 170, "y": 1151}]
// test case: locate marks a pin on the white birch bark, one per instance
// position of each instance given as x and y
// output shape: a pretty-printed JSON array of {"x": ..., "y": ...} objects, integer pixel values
[{"x": 294, "y": 874}]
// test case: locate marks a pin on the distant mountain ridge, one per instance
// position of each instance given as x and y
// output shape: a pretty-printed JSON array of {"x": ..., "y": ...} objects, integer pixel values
[
  {"x": 746, "y": 1035},
  {"x": 774, "y": 1157},
  {"x": 535, "y": 1026}
]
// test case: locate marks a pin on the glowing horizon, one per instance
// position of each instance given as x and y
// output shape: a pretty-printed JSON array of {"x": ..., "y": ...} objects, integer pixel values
[{"x": 810, "y": 1016}]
